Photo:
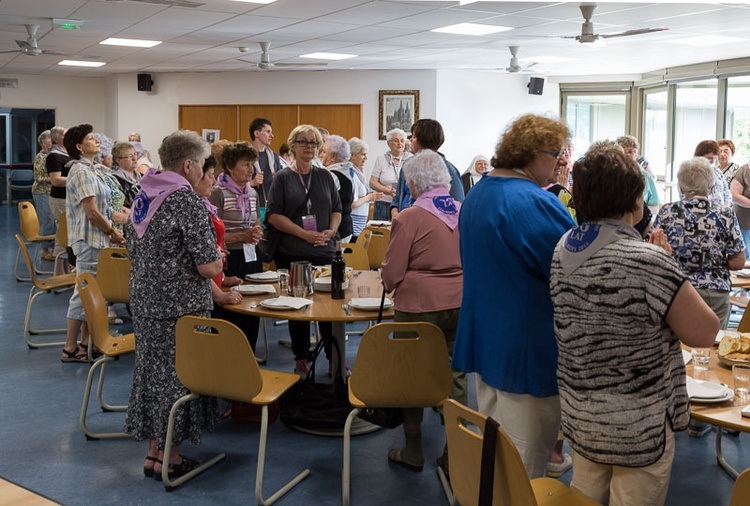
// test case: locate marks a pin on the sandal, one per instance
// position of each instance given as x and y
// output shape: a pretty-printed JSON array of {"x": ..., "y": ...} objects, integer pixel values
[
  {"x": 394, "y": 455},
  {"x": 149, "y": 471},
  {"x": 77, "y": 355},
  {"x": 178, "y": 470}
]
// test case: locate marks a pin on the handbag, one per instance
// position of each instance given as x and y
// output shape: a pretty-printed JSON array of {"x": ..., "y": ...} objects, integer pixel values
[
  {"x": 312, "y": 405},
  {"x": 389, "y": 418}
]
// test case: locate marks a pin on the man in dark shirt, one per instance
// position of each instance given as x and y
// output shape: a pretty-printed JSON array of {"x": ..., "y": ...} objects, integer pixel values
[
  {"x": 58, "y": 175},
  {"x": 268, "y": 163}
]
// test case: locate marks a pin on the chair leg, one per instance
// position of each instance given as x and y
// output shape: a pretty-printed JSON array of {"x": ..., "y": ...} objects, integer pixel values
[
  {"x": 170, "y": 485},
  {"x": 106, "y": 407},
  {"x": 27, "y": 330},
  {"x": 446, "y": 487},
  {"x": 37, "y": 269},
  {"x": 345, "y": 472},
  {"x": 85, "y": 404},
  {"x": 264, "y": 359},
  {"x": 261, "y": 463},
  {"x": 15, "y": 267}
]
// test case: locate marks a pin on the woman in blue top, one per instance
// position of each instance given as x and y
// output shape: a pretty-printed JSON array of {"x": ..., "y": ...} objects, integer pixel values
[{"x": 509, "y": 229}]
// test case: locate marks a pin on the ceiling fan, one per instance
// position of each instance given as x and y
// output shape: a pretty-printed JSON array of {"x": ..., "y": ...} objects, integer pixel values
[
  {"x": 30, "y": 46},
  {"x": 514, "y": 66},
  {"x": 587, "y": 28},
  {"x": 265, "y": 62}
]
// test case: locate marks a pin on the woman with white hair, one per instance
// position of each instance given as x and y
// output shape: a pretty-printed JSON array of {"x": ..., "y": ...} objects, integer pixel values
[
  {"x": 478, "y": 166},
  {"x": 363, "y": 197},
  {"x": 428, "y": 287},
  {"x": 384, "y": 177},
  {"x": 335, "y": 157},
  {"x": 705, "y": 238},
  {"x": 40, "y": 192}
]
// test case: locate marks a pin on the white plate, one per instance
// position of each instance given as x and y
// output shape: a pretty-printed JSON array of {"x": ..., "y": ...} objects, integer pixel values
[
  {"x": 263, "y": 277},
  {"x": 370, "y": 303},
  {"x": 253, "y": 289},
  {"x": 720, "y": 334},
  {"x": 707, "y": 391},
  {"x": 324, "y": 284}
]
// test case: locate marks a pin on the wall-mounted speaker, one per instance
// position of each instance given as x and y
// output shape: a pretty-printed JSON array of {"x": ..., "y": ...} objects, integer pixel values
[
  {"x": 144, "y": 82},
  {"x": 536, "y": 85}
]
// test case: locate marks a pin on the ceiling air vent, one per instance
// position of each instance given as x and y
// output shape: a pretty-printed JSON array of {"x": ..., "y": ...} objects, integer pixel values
[
  {"x": 8, "y": 83},
  {"x": 170, "y": 3}
]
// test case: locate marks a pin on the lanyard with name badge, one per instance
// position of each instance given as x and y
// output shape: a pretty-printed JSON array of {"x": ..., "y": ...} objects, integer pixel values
[{"x": 308, "y": 221}]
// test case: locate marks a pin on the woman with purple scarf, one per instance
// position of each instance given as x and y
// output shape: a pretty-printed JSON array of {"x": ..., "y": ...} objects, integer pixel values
[
  {"x": 237, "y": 206},
  {"x": 173, "y": 254},
  {"x": 428, "y": 286}
]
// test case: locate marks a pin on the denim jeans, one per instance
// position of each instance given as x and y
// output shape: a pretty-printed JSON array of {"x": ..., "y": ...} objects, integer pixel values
[{"x": 44, "y": 213}]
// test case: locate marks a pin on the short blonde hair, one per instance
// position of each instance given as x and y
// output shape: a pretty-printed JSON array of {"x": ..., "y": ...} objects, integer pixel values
[
  {"x": 301, "y": 129},
  {"x": 627, "y": 141}
]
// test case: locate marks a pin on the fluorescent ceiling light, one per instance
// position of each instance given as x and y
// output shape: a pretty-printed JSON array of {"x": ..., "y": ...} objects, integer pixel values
[
  {"x": 472, "y": 29},
  {"x": 114, "y": 41},
  {"x": 76, "y": 63},
  {"x": 706, "y": 40},
  {"x": 256, "y": 1},
  {"x": 328, "y": 56}
]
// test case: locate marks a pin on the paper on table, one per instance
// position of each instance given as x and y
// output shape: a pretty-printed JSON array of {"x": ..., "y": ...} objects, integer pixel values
[
  {"x": 263, "y": 275},
  {"x": 697, "y": 389},
  {"x": 254, "y": 289},
  {"x": 294, "y": 302},
  {"x": 744, "y": 273}
]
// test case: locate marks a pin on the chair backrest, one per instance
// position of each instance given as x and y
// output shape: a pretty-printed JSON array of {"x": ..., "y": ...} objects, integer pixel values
[
  {"x": 113, "y": 273},
  {"x": 741, "y": 490},
  {"x": 363, "y": 239},
  {"x": 744, "y": 325},
  {"x": 27, "y": 259},
  {"x": 403, "y": 371},
  {"x": 355, "y": 256},
  {"x": 95, "y": 308},
  {"x": 371, "y": 211},
  {"x": 21, "y": 178},
  {"x": 464, "y": 429},
  {"x": 62, "y": 230},
  {"x": 378, "y": 245},
  {"x": 220, "y": 364},
  {"x": 29, "y": 220}
]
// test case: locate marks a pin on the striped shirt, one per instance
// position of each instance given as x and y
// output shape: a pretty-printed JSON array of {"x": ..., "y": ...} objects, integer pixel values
[
  {"x": 620, "y": 370},
  {"x": 230, "y": 213}
]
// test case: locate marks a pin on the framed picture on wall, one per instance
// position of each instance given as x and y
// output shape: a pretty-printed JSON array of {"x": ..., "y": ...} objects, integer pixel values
[
  {"x": 398, "y": 109},
  {"x": 211, "y": 136}
]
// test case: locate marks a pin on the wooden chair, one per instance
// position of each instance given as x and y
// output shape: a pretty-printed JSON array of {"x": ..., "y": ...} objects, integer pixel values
[
  {"x": 512, "y": 485},
  {"x": 111, "y": 348},
  {"x": 410, "y": 372},
  {"x": 113, "y": 274},
  {"x": 379, "y": 239},
  {"x": 356, "y": 256},
  {"x": 370, "y": 211},
  {"x": 30, "y": 233},
  {"x": 62, "y": 238},
  {"x": 222, "y": 364},
  {"x": 744, "y": 325},
  {"x": 741, "y": 490},
  {"x": 40, "y": 286}
]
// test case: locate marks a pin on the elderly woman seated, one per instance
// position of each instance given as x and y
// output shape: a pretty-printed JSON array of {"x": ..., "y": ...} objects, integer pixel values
[
  {"x": 428, "y": 287},
  {"x": 621, "y": 309},
  {"x": 705, "y": 238}
]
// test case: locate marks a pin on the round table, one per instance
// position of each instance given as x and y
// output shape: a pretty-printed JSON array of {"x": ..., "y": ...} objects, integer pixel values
[{"x": 724, "y": 414}]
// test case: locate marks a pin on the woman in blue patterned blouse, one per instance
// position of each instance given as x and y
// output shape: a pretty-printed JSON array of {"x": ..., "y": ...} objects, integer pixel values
[{"x": 705, "y": 238}]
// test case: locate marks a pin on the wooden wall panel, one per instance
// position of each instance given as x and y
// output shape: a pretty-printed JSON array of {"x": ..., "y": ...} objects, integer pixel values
[
  {"x": 344, "y": 120},
  {"x": 216, "y": 117},
  {"x": 283, "y": 118}
]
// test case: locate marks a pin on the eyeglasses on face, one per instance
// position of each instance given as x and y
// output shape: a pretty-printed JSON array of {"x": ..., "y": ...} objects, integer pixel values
[
  {"x": 306, "y": 143},
  {"x": 129, "y": 157},
  {"x": 556, "y": 154}
]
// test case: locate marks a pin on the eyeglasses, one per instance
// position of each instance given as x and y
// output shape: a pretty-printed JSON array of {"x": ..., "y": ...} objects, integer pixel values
[
  {"x": 129, "y": 157},
  {"x": 556, "y": 154},
  {"x": 306, "y": 143}
]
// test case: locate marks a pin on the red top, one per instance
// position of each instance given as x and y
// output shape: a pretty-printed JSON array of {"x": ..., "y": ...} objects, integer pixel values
[{"x": 220, "y": 229}]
